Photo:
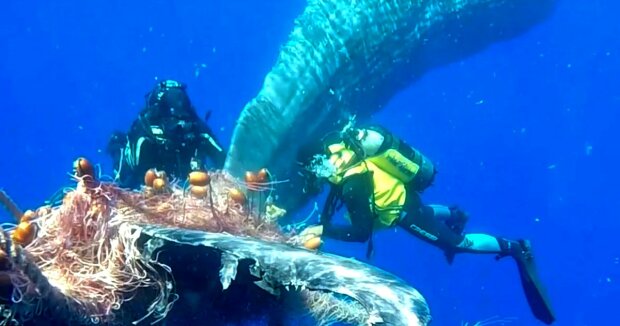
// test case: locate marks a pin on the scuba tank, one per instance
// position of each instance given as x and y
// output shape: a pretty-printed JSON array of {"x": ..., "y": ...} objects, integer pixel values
[{"x": 392, "y": 155}]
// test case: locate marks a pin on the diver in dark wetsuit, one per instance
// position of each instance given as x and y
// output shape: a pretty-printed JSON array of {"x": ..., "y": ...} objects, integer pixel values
[
  {"x": 168, "y": 136},
  {"x": 379, "y": 178}
]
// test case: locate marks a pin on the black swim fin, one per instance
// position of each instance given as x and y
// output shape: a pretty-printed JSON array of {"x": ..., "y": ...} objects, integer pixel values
[{"x": 535, "y": 293}]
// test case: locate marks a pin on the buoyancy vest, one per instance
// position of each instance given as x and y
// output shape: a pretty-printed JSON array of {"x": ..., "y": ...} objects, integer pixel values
[
  {"x": 388, "y": 192},
  {"x": 395, "y": 168}
]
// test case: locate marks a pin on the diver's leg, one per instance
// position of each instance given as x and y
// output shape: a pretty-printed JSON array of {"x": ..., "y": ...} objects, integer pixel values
[
  {"x": 442, "y": 226},
  {"x": 423, "y": 223},
  {"x": 452, "y": 216},
  {"x": 428, "y": 224}
]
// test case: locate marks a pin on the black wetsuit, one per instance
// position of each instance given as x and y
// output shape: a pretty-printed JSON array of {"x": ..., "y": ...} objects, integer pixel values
[
  {"x": 356, "y": 194},
  {"x": 179, "y": 138}
]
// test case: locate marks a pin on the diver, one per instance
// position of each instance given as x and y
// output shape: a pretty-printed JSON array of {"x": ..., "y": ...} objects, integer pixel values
[
  {"x": 379, "y": 179},
  {"x": 168, "y": 135}
]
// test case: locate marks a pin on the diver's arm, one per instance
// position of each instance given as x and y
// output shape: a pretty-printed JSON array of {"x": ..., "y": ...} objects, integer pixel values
[
  {"x": 356, "y": 194},
  {"x": 211, "y": 147}
]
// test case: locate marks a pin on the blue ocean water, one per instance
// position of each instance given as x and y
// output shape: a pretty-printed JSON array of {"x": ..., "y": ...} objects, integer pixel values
[{"x": 524, "y": 133}]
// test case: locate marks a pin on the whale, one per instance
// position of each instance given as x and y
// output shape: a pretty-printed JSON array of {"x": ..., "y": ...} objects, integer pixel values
[
  {"x": 384, "y": 298},
  {"x": 351, "y": 57}
]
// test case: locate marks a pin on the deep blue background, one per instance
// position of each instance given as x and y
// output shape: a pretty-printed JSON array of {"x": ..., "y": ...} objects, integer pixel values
[{"x": 524, "y": 133}]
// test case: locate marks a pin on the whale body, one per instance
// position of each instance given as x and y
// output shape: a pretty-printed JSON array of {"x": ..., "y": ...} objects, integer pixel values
[{"x": 348, "y": 57}]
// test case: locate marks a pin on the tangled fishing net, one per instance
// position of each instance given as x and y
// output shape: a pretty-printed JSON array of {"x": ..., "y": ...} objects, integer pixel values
[
  {"x": 86, "y": 247},
  {"x": 84, "y": 261},
  {"x": 327, "y": 309}
]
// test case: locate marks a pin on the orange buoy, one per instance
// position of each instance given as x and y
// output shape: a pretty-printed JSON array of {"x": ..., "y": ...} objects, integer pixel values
[
  {"x": 159, "y": 184},
  {"x": 149, "y": 177},
  {"x": 237, "y": 196},
  {"x": 23, "y": 233},
  {"x": 250, "y": 177},
  {"x": 199, "y": 178},
  {"x": 313, "y": 243},
  {"x": 198, "y": 191},
  {"x": 82, "y": 167},
  {"x": 262, "y": 176},
  {"x": 28, "y": 216}
]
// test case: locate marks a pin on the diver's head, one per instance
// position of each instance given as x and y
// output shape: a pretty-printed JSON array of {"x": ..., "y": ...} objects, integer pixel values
[
  {"x": 168, "y": 93},
  {"x": 326, "y": 159},
  {"x": 169, "y": 99},
  {"x": 169, "y": 110}
]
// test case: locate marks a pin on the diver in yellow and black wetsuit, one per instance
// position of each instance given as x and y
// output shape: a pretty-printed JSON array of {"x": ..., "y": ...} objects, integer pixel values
[{"x": 378, "y": 178}]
